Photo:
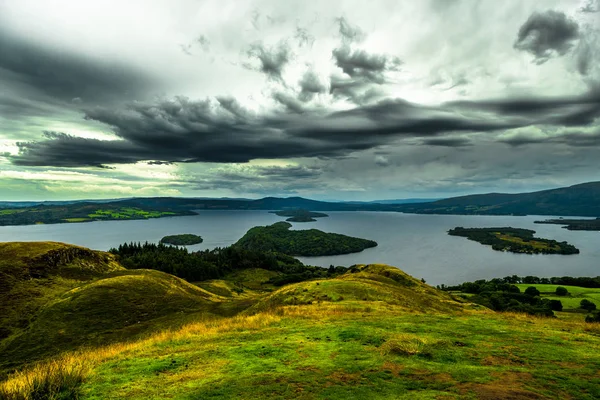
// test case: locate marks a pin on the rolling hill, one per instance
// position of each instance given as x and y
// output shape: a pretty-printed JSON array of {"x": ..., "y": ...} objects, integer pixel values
[{"x": 372, "y": 332}]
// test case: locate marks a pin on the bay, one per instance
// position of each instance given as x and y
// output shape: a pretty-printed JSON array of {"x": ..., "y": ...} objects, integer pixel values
[{"x": 417, "y": 244}]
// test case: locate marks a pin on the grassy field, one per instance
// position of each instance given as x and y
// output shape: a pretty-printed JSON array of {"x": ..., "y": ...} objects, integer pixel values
[
  {"x": 128, "y": 213},
  {"x": 374, "y": 333},
  {"x": 530, "y": 243},
  {"x": 572, "y": 300}
]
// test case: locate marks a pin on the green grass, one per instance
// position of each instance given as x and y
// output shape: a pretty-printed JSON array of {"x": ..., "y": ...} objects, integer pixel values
[
  {"x": 572, "y": 300},
  {"x": 128, "y": 213},
  {"x": 361, "y": 351},
  {"x": 373, "y": 333},
  {"x": 77, "y": 219}
]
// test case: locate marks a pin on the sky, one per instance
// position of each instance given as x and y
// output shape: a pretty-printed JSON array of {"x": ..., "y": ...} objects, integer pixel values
[{"x": 332, "y": 100}]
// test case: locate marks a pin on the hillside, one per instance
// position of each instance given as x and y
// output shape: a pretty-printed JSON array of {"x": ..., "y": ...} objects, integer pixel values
[
  {"x": 373, "y": 332},
  {"x": 58, "y": 297},
  {"x": 578, "y": 200}
]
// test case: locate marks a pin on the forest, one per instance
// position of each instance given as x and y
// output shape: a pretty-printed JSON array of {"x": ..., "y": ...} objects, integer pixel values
[
  {"x": 216, "y": 263},
  {"x": 311, "y": 242},
  {"x": 515, "y": 240}
]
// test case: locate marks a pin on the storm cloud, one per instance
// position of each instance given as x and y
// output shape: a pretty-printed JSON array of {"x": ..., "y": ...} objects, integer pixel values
[
  {"x": 182, "y": 130},
  {"x": 235, "y": 99},
  {"x": 547, "y": 34}
]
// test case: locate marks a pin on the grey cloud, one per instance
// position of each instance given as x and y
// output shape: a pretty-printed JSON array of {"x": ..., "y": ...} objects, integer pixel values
[
  {"x": 187, "y": 131},
  {"x": 63, "y": 76},
  {"x": 546, "y": 34},
  {"x": 303, "y": 37},
  {"x": 310, "y": 85},
  {"x": 448, "y": 142},
  {"x": 262, "y": 179},
  {"x": 289, "y": 102},
  {"x": 272, "y": 60},
  {"x": 358, "y": 91},
  {"x": 592, "y": 6},
  {"x": 360, "y": 64},
  {"x": 349, "y": 33},
  {"x": 572, "y": 139},
  {"x": 566, "y": 111}
]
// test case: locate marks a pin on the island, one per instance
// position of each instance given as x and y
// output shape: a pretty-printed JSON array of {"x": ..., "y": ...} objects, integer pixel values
[
  {"x": 185, "y": 239},
  {"x": 515, "y": 240},
  {"x": 299, "y": 215},
  {"x": 312, "y": 242},
  {"x": 575, "y": 224}
]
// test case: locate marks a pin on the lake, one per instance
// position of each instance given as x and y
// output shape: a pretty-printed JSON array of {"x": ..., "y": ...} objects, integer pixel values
[{"x": 417, "y": 244}]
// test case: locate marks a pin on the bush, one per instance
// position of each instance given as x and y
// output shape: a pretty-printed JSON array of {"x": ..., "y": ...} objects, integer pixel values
[
  {"x": 587, "y": 305},
  {"x": 556, "y": 305},
  {"x": 593, "y": 317},
  {"x": 561, "y": 291},
  {"x": 532, "y": 291}
]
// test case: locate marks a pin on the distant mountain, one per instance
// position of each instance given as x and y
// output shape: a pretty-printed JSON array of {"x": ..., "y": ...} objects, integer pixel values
[
  {"x": 578, "y": 200},
  {"x": 394, "y": 201},
  {"x": 581, "y": 200}
]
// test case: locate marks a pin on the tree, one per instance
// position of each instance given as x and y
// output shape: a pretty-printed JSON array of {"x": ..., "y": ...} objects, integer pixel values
[
  {"x": 556, "y": 305},
  {"x": 532, "y": 291},
  {"x": 561, "y": 291},
  {"x": 587, "y": 305}
]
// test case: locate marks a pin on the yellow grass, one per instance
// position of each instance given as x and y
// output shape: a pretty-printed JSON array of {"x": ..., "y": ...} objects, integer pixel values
[{"x": 46, "y": 379}]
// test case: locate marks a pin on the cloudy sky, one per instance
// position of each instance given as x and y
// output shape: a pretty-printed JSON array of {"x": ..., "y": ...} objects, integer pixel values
[{"x": 324, "y": 99}]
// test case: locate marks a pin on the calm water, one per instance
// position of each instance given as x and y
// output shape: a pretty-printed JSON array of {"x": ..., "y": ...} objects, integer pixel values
[{"x": 418, "y": 244}]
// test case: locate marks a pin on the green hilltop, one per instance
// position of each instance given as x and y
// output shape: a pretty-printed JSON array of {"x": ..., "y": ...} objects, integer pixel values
[{"x": 90, "y": 329}]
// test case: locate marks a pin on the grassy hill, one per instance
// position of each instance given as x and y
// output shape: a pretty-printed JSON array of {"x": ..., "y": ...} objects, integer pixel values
[
  {"x": 373, "y": 332},
  {"x": 57, "y": 297}
]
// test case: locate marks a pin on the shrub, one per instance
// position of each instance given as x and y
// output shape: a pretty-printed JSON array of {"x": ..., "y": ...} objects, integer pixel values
[
  {"x": 587, "y": 305},
  {"x": 593, "y": 317},
  {"x": 532, "y": 291},
  {"x": 556, "y": 305},
  {"x": 561, "y": 291}
]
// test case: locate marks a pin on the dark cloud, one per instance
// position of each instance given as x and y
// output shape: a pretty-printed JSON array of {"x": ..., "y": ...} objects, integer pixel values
[
  {"x": 223, "y": 131},
  {"x": 566, "y": 111},
  {"x": 573, "y": 139},
  {"x": 271, "y": 60},
  {"x": 547, "y": 34},
  {"x": 289, "y": 102},
  {"x": 447, "y": 142},
  {"x": 359, "y": 64},
  {"x": 310, "y": 85},
  {"x": 63, "y": 76}
]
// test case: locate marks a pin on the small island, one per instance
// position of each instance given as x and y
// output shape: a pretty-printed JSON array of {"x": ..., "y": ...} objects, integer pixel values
[
  {"x": 185, "y": 239},
  {"x": 575, "y": 224},
  {"x": 312, "y": 242},
  {"x": 515, "y": 240},
  {"x": 298, "y": 215}
]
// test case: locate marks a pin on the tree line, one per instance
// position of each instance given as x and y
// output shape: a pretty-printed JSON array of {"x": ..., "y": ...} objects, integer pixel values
[{"x": 215, "y": 263}]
